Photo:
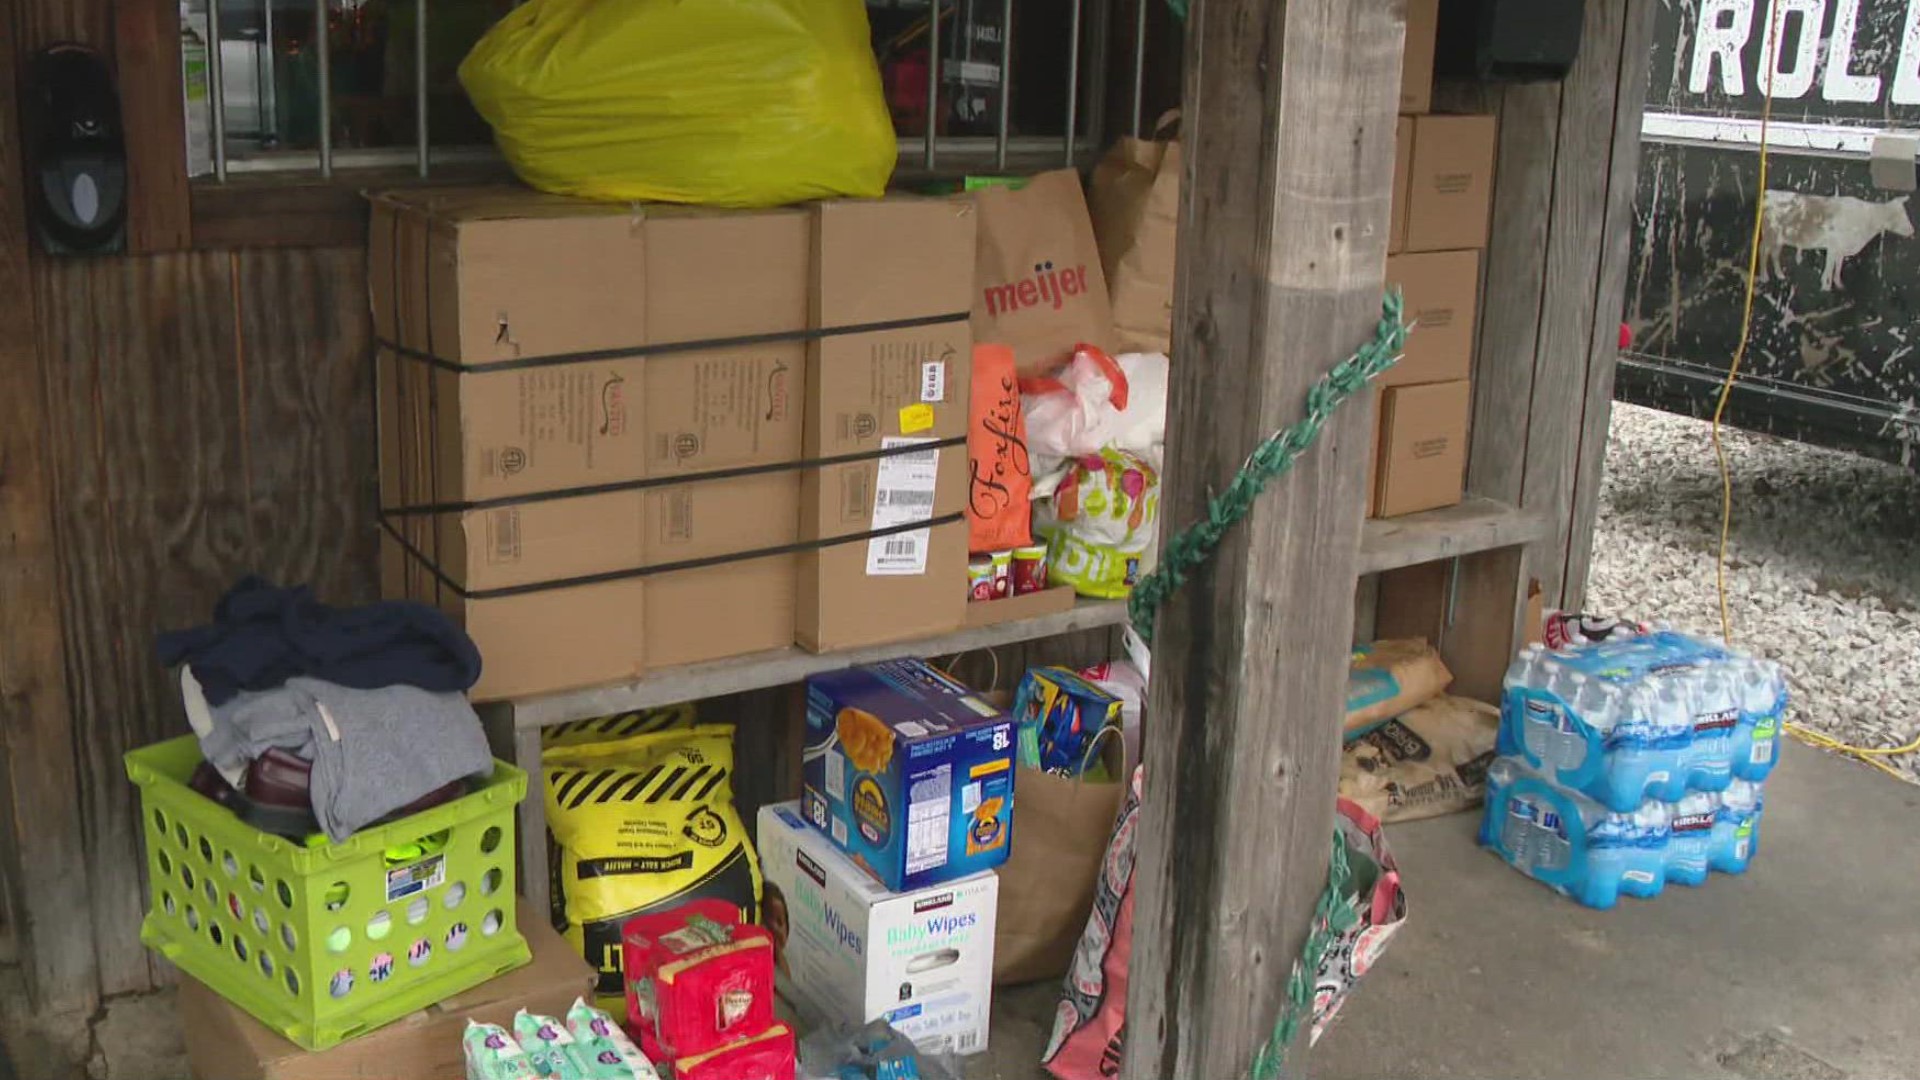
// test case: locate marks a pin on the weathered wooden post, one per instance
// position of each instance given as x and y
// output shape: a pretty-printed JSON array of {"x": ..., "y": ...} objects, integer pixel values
[
  {"x": 45, "y": 861},
  {"x": 1288, "y": 128}
]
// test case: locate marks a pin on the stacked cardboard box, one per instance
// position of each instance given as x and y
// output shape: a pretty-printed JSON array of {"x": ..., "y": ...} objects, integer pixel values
[
  {"x": 599, "y": 426},
  {"x": 1443, "y": 192}
]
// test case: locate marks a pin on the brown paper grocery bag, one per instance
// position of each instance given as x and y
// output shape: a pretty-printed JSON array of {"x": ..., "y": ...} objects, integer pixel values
[
  {"x": 1060, "y": 833},
  {"x": 1038, "y": 284},
  {"x": 1135, "y": 200}
]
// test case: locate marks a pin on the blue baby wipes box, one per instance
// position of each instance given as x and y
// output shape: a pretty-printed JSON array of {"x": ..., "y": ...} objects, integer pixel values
[{"x": 908, "y": 772}]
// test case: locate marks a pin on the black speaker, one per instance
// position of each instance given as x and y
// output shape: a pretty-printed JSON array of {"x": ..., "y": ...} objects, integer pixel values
[
  {"x": 77, "y": 153},
  {"x": 1509, "y": 40}
]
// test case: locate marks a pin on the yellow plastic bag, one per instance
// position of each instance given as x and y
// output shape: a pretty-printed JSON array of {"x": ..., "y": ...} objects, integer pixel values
[{"x": 719, "y": 102}]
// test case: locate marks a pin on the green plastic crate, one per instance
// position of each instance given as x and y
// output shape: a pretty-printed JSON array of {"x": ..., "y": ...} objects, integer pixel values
[{"x": 328, "y": 942}]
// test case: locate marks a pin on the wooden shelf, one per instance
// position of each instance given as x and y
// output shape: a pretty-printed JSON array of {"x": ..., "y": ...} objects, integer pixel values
[
  {"x": 1474, "y": 526},
  {"x": 690, "y": 682}
]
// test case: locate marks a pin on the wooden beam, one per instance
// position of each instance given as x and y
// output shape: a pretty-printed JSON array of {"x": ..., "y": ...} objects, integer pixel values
[
  {"x": 1603, "y": 354},
  {"x": 45, "y": 858},
  {"x": 1289, "y": 134},
  {"x": 146, "y": 53}
]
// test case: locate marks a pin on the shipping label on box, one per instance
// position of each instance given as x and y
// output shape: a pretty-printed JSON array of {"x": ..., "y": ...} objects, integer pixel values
[
  {"x": 922, "y": 960},
  {"x": 909, "y": 772}
]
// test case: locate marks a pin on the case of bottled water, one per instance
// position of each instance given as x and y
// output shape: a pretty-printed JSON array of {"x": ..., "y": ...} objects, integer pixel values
[
  {"x": 1651, "y": 717},
  {"x": 1595, "y": 854}
]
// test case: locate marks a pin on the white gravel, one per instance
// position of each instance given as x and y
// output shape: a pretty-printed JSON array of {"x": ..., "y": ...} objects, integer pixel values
[{"x": 1823, "y": 571}]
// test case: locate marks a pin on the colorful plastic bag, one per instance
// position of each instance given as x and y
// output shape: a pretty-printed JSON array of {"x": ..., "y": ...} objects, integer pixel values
[
  {"x": 729, "y": 103},
  {"x": 1101, "y": 524}
]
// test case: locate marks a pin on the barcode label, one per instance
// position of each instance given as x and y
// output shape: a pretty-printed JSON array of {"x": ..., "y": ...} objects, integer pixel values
[
  {"x": 912, "y": 500},
  {"x": 836, "y": 776},
  {"x": 968, "y": 1042},
  {"x": 904, "y": 494},
  {"x": 503, "y": 528}
]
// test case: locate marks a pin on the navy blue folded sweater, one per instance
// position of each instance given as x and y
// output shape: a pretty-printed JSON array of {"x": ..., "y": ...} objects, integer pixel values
[{"x": 262, "y": 635}]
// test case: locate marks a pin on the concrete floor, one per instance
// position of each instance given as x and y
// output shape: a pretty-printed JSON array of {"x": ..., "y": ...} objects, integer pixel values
[{"x": 1807, "y": 968}]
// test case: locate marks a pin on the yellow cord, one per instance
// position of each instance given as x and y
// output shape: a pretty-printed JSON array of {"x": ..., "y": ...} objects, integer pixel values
[{"x": 1865, "y": 754}]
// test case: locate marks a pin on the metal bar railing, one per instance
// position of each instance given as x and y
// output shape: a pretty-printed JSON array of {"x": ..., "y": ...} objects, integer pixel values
[
  {"x": 1001, "y": 133},
  {"x": 421, "y": 145},
  {"x": 933, "y": 82},
  {"x": 323, "y": 59},
  {"x": 1002, "y": 148},
  {"x": 1139, "y": 63},
  {"x": 1100, "y": 30},
  {"x": 269, "y": 82},
  {"x": 1073, "y": 81},
  {"x": 217, "y": 91}
]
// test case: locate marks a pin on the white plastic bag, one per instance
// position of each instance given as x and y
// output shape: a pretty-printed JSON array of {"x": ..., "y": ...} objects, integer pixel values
[{"x": 1095, "y": 403}]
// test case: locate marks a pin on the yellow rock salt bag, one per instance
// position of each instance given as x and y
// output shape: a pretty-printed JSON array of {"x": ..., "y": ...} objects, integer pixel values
[
  {"x": 619, "y": 726},
  {"x": 643, "y": 824},
  {"x": 1387, "y": 678},
  {"x": 719, "y": 103}
]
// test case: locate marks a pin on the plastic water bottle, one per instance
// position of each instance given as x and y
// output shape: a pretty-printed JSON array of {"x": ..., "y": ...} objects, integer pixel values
[
  {"x": 1570, "y": 842},
  {"x": 1755, "y": 746},
  {"x": 1716, "y": 716},
  {"x": 1690, "y": 851},
  {"x": 1736, "y": 828},
  {"x": 1516, "y": 688}
]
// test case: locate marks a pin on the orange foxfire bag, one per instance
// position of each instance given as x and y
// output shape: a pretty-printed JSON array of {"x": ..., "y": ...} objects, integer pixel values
[{"x": 999, "y": 513}]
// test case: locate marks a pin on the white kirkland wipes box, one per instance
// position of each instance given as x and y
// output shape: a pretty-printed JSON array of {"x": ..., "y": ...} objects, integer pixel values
[{"x": 922, "y": 960}]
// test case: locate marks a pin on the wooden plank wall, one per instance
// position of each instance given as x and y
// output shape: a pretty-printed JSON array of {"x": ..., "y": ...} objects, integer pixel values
[
  {"x": 1555, "y": 275},
  {"x": 209, "y": 417}
]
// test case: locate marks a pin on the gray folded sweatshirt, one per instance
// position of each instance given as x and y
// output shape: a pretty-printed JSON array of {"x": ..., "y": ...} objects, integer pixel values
[{"x": 373, "y": 751}]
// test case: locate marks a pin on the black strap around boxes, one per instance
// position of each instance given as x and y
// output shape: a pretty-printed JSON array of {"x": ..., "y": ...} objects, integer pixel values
[
  {"x": 656, "y": 568},
  {"x": 429, "y": 355},
  {"x": 670, "y": 348}
]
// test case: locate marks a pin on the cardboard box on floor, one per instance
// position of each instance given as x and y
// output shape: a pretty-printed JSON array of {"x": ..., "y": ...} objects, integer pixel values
[
  {"x": 1442, "y": 292},
  {"x": 224, "y": 1043},
  {"x": 907, "y": 262},
  {"x": 1449, "y": 184},
  {"x": 488, "y": 287},
  {"x": 1423, "y": 447}
]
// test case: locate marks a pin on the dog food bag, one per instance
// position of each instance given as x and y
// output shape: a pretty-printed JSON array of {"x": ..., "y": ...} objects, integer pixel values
[
  {"x": 493, "y": 1055},
  {"x": 645, "y": 824},
  {"x": 604, "y": 1047},
  {"x": 1431, "y": 760},
  {"x": 1389, "y": 677}
]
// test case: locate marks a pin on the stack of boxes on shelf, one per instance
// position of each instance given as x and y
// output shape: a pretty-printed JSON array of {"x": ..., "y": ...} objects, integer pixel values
[
  {"x": 1443, "y": 190},
  {"x": 616, "y": 439},
  {"x": 880, "y": 883}
]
